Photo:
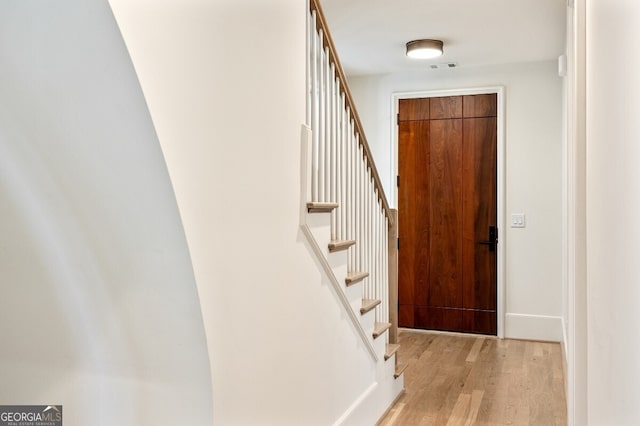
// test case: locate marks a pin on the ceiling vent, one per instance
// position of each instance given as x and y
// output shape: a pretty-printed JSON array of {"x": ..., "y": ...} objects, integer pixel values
[{"x": 443, "y": 65}]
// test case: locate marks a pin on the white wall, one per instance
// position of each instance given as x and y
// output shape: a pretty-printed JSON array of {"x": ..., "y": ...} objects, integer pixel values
[
  {"x": 225, "y": 85},
  {"x": 613, "y": 208},
  {"x": 533, "y": 175},
  {"x": 98, "y": 309}
]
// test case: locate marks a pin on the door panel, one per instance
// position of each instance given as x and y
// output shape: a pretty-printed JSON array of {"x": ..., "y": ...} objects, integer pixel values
[
  {"x": 474, "y": 321},
  {"x": 445, "y": 245},
  {"x": 414, "y": 109},
  {"x": 480, "y": 106},
  {"x": 409, "y": 136},
  {"x": 438, "y": 318},
  {"x": 423, "y": 200},
  {"x": 413, "y": 197},
  {"x": 449, "y": 107},
  {"x": 479, "y": 213}
]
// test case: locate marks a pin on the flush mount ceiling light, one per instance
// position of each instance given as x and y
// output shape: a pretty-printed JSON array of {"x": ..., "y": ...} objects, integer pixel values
[{"x": 424, "y": 49}]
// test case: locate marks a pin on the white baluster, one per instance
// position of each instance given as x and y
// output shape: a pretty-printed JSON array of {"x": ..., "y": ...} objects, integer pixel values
[
  {"x": 308, "y": 68},
  {"x": 315, "y": 117},
  {"x": 381, "y": 255},
  {"x": 377, "y": 253},
  {"x": 332, "y": 148},
  {"x": 359, "y": 210},
  {"x": 321, "y": 125},
  {"x": 385, "y": 260},
  {"x": 331, "y": 153},
  {"x": 368, "y": 227},
  {"x": 350, "y": 203},
  {"x": 343, "y": 167},
  {"x": 361, "y": 221},
  {"x": 374, "y": 247},
  {"x": 327, "y": 128},
  {"x": 335, "y": 164},
  {"x": 339, "y": 160},
  {"x": 365, "y": 226},
  {"x": 347, "y": 183},
  {"x": 379, "y": 261}
]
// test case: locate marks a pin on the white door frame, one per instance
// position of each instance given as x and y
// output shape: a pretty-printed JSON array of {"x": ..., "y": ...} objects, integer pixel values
[{"x": 501, "y": 170}]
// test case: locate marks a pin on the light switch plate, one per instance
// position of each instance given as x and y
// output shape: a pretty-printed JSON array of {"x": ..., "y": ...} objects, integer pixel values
[{"x": 518, "y": 220}]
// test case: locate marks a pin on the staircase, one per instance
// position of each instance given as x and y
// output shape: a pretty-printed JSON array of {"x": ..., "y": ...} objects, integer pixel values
[
  {"x": 347, "y": 220},
  {"x": 352, "y": 284}
]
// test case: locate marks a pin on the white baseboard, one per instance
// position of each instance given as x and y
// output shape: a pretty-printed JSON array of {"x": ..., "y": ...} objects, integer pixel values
[
  {"x": 533, "y": 327},
  {"x": 374, "y": 402},
  {"x": 357, "y": 404}
]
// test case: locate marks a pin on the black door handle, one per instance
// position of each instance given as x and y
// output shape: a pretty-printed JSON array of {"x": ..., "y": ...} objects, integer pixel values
[{"x": 493, "y": 239}]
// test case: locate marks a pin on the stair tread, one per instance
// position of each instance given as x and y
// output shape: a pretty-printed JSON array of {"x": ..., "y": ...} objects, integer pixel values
[
  {"x": 399, "y": 370},
  {"x": 368, "y": 305},
  {"x": 338, "y": 245},
  {"x": 318, "y": 207},
  {"x": 392, "y": 348},
  {"x": 380, "y": 328},
  {"x": 354, "y": 277}
]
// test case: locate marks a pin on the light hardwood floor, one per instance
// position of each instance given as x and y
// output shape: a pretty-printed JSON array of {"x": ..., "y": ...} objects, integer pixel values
[{"x": 477, "y": 380}]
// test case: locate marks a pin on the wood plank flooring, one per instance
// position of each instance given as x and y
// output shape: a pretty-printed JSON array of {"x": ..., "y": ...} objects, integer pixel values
[{"x": 478, "y": 380}]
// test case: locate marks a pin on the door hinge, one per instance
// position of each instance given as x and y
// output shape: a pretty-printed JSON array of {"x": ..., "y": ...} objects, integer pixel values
[
  {"x": 398, "y": 181},
  {"x": 398, "y": 243},
  {"x": 397, "y": 119}
]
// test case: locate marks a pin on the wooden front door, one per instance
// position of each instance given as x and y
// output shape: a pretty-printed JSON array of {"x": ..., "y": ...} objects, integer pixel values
[{"x": 447, "y": 203}]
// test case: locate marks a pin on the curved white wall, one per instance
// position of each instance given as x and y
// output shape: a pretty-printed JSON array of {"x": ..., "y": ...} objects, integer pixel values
[
  {"x": 613, "y": 209},
  {"x": 533, "y": 175},
  {"x": 98, "y": 308},
  {"x": 225, "y": 85}
]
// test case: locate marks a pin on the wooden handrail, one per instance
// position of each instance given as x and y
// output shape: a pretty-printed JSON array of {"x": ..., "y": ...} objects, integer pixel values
[{"x": 321, "y": 23}]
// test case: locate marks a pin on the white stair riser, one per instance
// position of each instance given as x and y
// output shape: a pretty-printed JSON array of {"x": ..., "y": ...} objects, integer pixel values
[
  {"x": 338, "y": 261},
  {"x": 320, "y": 225},
  {"x": 367, "y": 320},
  {"x": 380, "y": 345},
  {"x": 354, "y": 294}
]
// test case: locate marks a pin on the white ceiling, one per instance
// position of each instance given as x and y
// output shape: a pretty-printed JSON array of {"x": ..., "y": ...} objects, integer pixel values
[{"x": 370, "y": 35}]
